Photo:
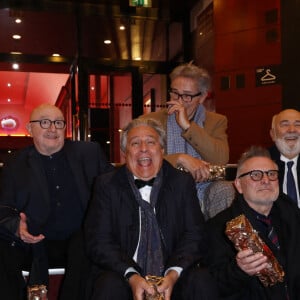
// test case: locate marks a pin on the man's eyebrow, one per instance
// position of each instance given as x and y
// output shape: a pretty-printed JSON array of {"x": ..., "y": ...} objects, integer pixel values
[{"x": 289, "y": 121}]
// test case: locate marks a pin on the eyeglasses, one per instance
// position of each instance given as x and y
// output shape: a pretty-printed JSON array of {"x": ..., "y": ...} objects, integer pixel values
[
  {"x": 185, "y": 97},
  {"x": 46, "y": 123},
  {"x": 257, "y": 175}
]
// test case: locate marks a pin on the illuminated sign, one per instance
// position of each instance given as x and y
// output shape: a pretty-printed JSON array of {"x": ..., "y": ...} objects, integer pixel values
[
  {"x": 143, "y": 3},
  {"x": 9, "y": 123}
]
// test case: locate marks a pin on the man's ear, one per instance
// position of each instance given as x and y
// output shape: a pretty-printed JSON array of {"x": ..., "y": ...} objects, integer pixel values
[
  {"x": 28, "y": 127},
  {"x": 202, "y": 98},
  {"x": 272, "y": 134},
  {"x": 237, "y": 183}
]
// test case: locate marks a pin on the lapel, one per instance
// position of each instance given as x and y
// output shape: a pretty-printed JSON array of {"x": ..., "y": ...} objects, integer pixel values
[
  {"x": 298, "y": 174},
  {"x": 76, "y": 166},
  {"x": 126, "y": 190}
]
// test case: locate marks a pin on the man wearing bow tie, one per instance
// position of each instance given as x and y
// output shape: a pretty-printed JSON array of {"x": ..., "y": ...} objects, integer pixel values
[{"x": 144, "y": 219}]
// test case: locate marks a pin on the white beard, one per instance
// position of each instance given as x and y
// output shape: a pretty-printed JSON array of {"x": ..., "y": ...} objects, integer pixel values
[{"x": 285, "y": 149}]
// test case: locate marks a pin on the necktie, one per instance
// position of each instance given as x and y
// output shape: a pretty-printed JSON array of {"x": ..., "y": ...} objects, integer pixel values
[
  {"x": 141, "y": 183},
  {"x": 272, "y": 235},
  {"x": 290, "y": 182}
]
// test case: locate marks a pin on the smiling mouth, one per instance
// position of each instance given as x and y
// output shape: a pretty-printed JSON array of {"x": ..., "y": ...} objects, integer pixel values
[
  {"x": 291, "y": 137},
  {"x": 144, "y": 161}
]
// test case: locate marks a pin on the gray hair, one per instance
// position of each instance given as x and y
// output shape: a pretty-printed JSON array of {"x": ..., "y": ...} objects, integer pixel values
[
  {"x": 156, "y": 125},
  {"x": 192, "y": 71},
  {"x": 253, "y": 151}
]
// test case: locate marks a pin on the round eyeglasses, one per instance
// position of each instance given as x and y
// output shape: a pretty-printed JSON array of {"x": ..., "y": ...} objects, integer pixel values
[
  {"x": 257, "y": 175},
  {"x": 185, "y": 97},
  {"x": 46, "y": 123}
]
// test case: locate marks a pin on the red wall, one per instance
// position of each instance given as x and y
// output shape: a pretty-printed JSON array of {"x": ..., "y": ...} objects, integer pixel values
[{"x": 247, "y": 36}]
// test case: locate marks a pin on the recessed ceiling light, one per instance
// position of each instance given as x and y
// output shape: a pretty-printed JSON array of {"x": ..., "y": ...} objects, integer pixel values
[
  {"x": 122, "y": 27},
  {"x": 107, "y": 42},
  {"x": 18, "y": 21},
  {"x": 15, "y": 66},
  {"x": 16, "y": 37}
]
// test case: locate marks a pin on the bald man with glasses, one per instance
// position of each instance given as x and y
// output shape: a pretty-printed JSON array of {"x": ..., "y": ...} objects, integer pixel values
[
  {"x": 45, "y": 190},
  {"x": 277, "y": 223}
]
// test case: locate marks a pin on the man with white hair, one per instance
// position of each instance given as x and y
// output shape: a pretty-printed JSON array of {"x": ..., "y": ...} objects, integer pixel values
[{"x": 285, "y": 133}]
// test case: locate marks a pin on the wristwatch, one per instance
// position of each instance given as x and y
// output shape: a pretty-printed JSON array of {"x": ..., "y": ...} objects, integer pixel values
[{"x": 129, "y": 274}]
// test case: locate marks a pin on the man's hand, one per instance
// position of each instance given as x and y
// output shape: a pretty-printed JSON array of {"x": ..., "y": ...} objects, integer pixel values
[
  {"x": 181, "y": 115},
  {"x": 139, "y": 286},
  {"x": 198, "y": 168},
  {"x": 23, "y": 233},
  {"x": 168, "y": 284},
  {"x": 251, "y": 263}
]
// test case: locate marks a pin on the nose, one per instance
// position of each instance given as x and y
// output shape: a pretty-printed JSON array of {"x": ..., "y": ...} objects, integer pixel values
[
  {"x": 265, "y": 178},
  {"x": 143, "y": 146},
  {"x": 52, "y": 127},
  {"x": 291, "y": 128}
]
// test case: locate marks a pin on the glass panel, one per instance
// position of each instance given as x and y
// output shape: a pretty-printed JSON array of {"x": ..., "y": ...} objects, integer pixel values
[
  {"x": 110, "y": 103},
  {"x": 155, "y": 92}
]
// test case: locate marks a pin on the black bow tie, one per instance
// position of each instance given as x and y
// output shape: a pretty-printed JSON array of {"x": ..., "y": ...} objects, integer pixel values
[{"x": 141, "y": 183}]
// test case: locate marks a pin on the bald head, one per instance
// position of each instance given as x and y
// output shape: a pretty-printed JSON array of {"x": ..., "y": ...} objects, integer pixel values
[
  {"x": 43, "y": 109},
  {"x": 47, "y": 141}
]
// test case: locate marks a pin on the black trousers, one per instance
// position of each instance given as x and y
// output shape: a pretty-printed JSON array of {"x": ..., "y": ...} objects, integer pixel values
[
  {"x": 63, "y": 253},
  {"x": 193, "y": 284}
]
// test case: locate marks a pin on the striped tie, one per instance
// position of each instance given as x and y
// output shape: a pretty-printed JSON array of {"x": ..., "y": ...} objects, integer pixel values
[{"x": 272, "y": 235}]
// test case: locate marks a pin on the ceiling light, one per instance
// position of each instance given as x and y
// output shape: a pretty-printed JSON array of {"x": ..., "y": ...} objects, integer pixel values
[
  {"x": 15, "y": 52},
  {"x": 9, "y": 84},
  {"x": 15, "y": 66},
  {"x": 55, "y": 54},
  {"x": 122, "y": 27},
  {"x": 107, "y": 42},
  {"x": 18, "y": 21},
  {"x": 16, "y": 37},
  {"x": 8, "y": 100}
]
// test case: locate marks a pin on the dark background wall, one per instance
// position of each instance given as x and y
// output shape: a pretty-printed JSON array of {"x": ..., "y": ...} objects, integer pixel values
[{"x": 247, "y": 42}]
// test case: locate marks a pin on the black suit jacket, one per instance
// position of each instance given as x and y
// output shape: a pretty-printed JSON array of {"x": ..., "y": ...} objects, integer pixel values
[
  {"x": 112, "y": 224},
  {"x": 233, "y": 283},
  {"x": 275, "y": 155},
  {"x": 24, "y": 185}
]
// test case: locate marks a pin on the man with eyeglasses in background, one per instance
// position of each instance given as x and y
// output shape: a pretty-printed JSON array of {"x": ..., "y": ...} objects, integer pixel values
[
  {"x": 285, "y": 133},
  {"x": 196, "y": 137},
  {"x": 260, "y": 201},
  {"x": 44, "y": 194}
]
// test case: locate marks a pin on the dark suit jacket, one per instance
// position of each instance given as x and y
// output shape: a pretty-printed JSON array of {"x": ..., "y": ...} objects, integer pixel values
[
  {"x": 275, "y": 155},
  {"x": 112, "y": 224},
  {"x": 233, "y": 283},
  {"x": 24, "y": 185}
]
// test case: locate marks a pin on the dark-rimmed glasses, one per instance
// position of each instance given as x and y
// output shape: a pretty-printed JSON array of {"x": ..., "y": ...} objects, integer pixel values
[
  {"x": 46, "y": 123},
  {"x": 185, "y": 97},
  {"x": 257, "y": 175}
]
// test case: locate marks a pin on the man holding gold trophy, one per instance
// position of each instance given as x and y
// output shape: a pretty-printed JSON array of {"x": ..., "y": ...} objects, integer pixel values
[{"x": 144, "y": 227}]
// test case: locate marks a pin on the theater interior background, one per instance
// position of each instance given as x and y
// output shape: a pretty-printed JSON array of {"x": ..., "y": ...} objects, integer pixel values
[{"x": 105, "y": 62}]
